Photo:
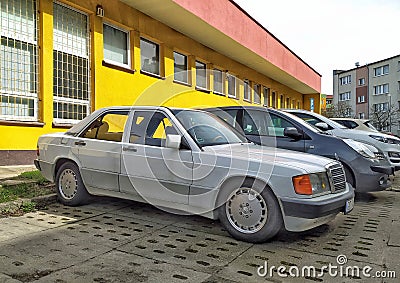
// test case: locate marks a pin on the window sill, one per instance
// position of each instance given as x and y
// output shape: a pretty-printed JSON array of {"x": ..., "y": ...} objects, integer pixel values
[
  {"x": 234, "y": 97},
  {"x": 62, "y": 126},
  {"x": 182, "y": 83},
  {"x": 117, "y": 67},
  {"x": 22, "y": 123},
  {"x": 246, "y": 100},
  {"x": 152, "y": 75},
  {"x": 202, "y": 89},
  {"x": 219, "y": 93}
]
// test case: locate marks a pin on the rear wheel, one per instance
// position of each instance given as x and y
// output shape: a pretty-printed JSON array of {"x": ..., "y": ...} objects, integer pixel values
[
  {"x": 69, "y": 185},
  {"x": 251, "y": 216}
]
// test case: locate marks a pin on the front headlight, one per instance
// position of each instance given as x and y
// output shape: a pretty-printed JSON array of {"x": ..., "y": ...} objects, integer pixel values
[
  {"x": 379, "y": 138},
  {"x": 361, "y": 148},
  {"x": 311, "y": 184},
  {"x": 319, "y": 183}
]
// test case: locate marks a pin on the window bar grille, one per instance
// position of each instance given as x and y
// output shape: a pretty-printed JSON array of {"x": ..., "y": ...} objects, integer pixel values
[
  {"x": 19, "y": 60},
  {"x": 71, "y": 53}
]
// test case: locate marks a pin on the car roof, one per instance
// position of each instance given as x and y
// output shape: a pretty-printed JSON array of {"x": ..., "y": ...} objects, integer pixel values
[{"x": 350, "y": 119}]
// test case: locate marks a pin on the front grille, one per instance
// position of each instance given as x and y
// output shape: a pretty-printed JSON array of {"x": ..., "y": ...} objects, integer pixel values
[{"x": 337, "y": 177}]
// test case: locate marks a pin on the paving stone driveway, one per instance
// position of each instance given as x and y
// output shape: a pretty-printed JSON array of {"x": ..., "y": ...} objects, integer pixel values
[{"x": 114, "y": 240}]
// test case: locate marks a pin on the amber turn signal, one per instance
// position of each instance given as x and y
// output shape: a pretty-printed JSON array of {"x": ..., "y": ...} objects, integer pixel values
[{"x": 302, "y": 185}]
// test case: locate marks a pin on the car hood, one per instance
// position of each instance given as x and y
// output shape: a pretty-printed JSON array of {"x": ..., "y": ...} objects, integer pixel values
[
  {"x": 360, "y": 135},
  {"x": 303, "y": 161}
]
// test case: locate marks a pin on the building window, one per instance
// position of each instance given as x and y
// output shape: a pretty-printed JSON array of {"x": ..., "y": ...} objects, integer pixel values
[
  {"x": 298, "y": 105},
  {"x": 361, "y": 81},
  {"x": 381, "y": 107},
  {"x": 266, "y": 95},
  {"x": 246, "y": 91},
  {"x": 116, "y": 45},
  {"x": 345, "y": 96},
  {"x": 282, "y": 102},
  {"x": 288, "y": 102},
  {"x": 218, "y": 81},
  {"x": 18, "y": 60},
  {"x": 257, "y": 94},
  {"x": 381, "y": 89},
  {"x": 231, "y": 85},
  {"x": 71, "y": 82},
  {"x": 345, "y": 80},
  {"x": 398, "y": 86},
  {"x": 361, "y": 99},
  {"x": 201, "y": 75},
  {"x": 149, "y": 57},
  {"x": 273, "y": 99},
  {"x": 181, "y": 73},
  {"x": 380, "y": 71},
  {"x": 361, "y": 115}
]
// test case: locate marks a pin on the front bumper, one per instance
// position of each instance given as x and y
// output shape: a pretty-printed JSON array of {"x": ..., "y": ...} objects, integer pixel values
[
  {"x": 370, "y": 176},
  {"x": 387, "y": 170},
  {"x": 313, "y": 208}
]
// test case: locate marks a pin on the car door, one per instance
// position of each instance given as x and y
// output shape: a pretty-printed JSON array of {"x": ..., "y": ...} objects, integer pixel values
[
  {"x": 267, "y": 129},
  {"x": 148, "y": 168},
  {"x": 99, "y": 150}
]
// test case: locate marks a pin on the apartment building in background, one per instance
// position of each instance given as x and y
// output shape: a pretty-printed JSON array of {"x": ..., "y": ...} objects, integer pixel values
[
  {"x": 61, "y": 60},
  {"x": 369, "y": 88}
]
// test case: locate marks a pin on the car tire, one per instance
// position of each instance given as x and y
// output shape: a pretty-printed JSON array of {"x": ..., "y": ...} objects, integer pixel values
[
  {"x": 69, "y": 185},
  {"x": 249, "y": 215}
]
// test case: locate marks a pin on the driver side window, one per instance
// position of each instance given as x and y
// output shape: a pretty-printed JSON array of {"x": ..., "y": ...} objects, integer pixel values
[
  {"x": 150, "y": 128},
  {"x": 278, "y": 125}
]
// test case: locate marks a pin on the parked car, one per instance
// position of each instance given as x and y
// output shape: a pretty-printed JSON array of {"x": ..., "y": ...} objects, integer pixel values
[
  {"x": 365, "y": 171},
  {"x": 194, "y": 162},
  {"x": 356, "y": 124},
  {"x": 389, "y": 145}
]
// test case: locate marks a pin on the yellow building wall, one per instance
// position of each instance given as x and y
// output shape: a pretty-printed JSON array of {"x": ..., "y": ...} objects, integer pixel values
[
  {"x": 113, "y": 86},
  {"x": 317, "y": 102}
]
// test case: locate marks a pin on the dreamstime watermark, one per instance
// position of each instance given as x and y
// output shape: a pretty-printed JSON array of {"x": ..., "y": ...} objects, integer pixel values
[{"x": 333, "y": 270}]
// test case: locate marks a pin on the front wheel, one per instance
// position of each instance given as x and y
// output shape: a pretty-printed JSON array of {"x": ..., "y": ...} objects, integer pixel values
[
  {"x": 251, "y": 216},
  {"x": 69, "y": 185}
]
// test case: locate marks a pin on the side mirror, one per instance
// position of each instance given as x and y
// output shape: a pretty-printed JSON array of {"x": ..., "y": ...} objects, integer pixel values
[
  {"x": 322, "y": 126},
  {"x": 292, "y": 132},
  {"x": 173, "y": 141}
]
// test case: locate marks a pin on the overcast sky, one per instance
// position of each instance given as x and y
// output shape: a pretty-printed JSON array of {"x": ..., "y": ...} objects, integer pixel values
[{"x": 332, "y": 34}]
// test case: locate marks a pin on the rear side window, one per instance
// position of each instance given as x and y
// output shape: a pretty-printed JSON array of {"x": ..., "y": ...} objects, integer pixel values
[
  {"x": 261, "y": 123},
  {"x": 255, "y": 123},
  {"x": 350, "y": 124},
  {"x": 108, "y": 127}
]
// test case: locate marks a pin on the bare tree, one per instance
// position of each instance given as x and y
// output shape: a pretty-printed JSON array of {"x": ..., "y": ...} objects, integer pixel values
[
  {"x": 383, "y": 115},
  {"x": 340, "y": 110}
]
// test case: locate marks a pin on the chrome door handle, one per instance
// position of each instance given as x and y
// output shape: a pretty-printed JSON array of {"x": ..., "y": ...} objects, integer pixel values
[
  {"x": 80, "y": 143},
  {"x": 129, "y": 148}
]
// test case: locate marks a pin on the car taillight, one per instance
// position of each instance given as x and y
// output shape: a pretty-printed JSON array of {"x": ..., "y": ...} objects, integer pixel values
[{"x": 302, "y": 185}]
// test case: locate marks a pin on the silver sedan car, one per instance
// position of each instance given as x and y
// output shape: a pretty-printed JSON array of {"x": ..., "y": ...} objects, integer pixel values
[{"x": 190, "y": 161}]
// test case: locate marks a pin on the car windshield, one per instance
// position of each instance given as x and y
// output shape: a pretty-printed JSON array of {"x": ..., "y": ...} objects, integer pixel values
[
  {"x": 303, "y": 123},
  {"x": 207, "y": 129},
  {"x": 314, "y": 118}
]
